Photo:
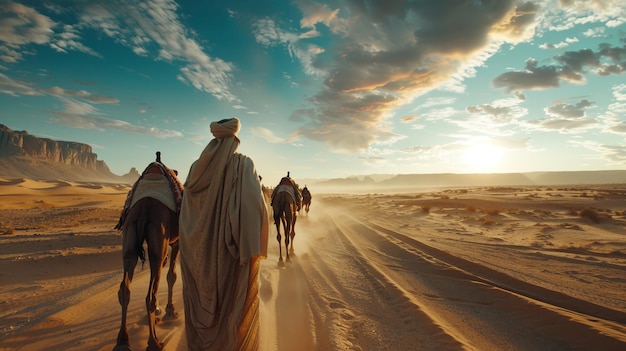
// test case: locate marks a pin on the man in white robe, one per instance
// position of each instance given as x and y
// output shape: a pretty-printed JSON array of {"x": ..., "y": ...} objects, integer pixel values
[{"x": 223, "y": 235}]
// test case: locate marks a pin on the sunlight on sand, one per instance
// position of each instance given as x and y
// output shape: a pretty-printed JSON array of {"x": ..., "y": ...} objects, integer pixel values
[{"x": 483, "y": 268}]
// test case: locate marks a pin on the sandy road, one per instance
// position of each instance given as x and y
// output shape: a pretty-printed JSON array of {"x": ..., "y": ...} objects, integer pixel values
[
  {"x": 356, "y": 284},
  {"x": 446, "y": 302},
  {"x": 371, "y": 288}
]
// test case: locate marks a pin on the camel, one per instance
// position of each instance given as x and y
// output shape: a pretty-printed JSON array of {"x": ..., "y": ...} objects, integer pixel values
[
  {"x": 306, "y": 199},
  {"x": 151, "y": 221},
  {"x": 285, "y": 211}
]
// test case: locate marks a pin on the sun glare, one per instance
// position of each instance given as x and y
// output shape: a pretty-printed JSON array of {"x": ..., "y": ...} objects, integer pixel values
[{"x": 482, "y": 158}]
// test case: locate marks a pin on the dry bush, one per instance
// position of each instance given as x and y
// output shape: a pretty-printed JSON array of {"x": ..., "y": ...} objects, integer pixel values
[
  {"x": 7, "y": 229},
  {"x": 487, "y": 221},
  {"x": 491, "y": 211},
  {"x": 471, "y": 208},
  {"x": 590, "y": 214},
  {"x": 425, "y": 208}
]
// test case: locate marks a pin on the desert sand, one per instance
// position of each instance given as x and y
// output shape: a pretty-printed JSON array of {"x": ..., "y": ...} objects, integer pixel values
[{"x": 480, "y": 268}]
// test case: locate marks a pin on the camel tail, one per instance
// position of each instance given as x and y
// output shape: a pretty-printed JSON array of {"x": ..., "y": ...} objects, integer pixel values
[{"x": 141, "y": 224}]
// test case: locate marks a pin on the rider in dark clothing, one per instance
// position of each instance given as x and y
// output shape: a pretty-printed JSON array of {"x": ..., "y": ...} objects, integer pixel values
[{"x": 306, "y": 194}]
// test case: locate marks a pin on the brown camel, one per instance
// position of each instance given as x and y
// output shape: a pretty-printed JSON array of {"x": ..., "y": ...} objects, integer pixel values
[
  {"x": 285, "y": 211},
  {"x": 150, "y": 221},
  {"x": 306, "y": 199}
]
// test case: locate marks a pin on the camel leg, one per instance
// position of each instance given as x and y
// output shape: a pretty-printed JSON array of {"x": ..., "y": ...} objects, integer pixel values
[
  {"x": 287, "y": 226},
  {"x": 278, "y": 238},
  {"x": 292, "y": 232},
  {"x": 157, "y": 250},
  {"x": 130, "y": 258},
  {"x": 170, "y": 312}
]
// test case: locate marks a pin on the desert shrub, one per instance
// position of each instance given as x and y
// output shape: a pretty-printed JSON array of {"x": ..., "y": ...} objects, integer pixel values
[
  {"x": 7, "y": 230},
  {"x": 491, "y": 211},
  {"x": 487, "y": 221},
  {"x": 425, "y": 208},
  {"x": 590, "y": 214},
  {"x": 471, "y": 208}
]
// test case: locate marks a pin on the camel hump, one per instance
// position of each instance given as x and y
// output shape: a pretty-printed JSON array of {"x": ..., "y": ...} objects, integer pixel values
[{"x": 286, "y": 181}]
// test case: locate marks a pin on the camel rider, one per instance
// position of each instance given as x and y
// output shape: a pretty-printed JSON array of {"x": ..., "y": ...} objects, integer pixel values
[
  {"x": 306, "y": 194},
  {"x": 296, "y": 190}
]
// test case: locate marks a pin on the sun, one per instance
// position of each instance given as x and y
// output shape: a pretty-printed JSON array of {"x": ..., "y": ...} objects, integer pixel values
[{"x": 482, "y": 157}]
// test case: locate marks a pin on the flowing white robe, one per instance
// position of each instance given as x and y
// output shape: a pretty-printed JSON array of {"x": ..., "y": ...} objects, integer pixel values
[{"x": 223, "y": 235}]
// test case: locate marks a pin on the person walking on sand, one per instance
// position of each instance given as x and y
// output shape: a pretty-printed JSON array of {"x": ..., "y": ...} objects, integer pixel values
[{"x": 223, "y": 236}]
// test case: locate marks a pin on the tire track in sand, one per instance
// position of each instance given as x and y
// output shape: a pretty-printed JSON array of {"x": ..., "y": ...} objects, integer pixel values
[
  {"x": 481, "y": 308},
  {"x": 353, "y": 302}
]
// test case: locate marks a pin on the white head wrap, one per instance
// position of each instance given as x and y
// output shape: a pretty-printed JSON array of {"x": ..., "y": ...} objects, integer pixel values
[{"x": 226, "y": 128}]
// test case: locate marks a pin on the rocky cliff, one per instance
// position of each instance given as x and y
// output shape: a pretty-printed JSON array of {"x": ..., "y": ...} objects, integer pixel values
[{"x": 25, "y": 155}]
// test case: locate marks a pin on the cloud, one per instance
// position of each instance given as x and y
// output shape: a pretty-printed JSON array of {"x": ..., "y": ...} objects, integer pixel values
[
  {"x": 563, "y": 44},
  {"x": 493, "y": 118},
  {"x": 614, "y": 154},
  {"x": 22, "y": 25},
  {"x": 611, "y": 12},
  {"x": 568, "y": 111},
  {"x": 314, "y": 13},
  {"x": 409, "y": 119},
  {"x": 566, "y": 119},
  {"x": 148, "y": 28},
  {"x": 384, "y": 55},
  {"x": 570, "y": 66},
  {"x": 77, "y": 114},
  {"x": 613, "y": 121},
  {"x": 267, "y": 135},
  {"x": 13, "y": 87},
  {"x": 533, "y": 77},
  {"x": 619, "y": 92},
  {"x": 78, "y": 110},
  {"x": 81, "y": 94},
  {"x": 268, "y": 33}
]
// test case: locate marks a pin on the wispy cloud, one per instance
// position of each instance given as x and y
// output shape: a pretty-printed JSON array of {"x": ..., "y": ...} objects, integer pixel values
[
  {"x": 148, "y": 28},
  {"x": 83, "y": 94},
  {"x": 566, "y": 119},
  {"x": 79, "y": 111},
  {"x": 77, "y": 114},
  {"x": 14, "y": 87},
  {"x": 267, "y": 135},
  {"x": 496, "y": 118},
  {"x": 268, "y": 33},
  {"x": 21, "y": 25}
]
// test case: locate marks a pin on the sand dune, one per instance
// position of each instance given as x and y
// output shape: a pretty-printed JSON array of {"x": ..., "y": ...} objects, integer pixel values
[{"x": 532, "y": 268}]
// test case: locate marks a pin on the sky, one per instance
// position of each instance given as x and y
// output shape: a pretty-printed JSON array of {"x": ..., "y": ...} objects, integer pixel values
[{"x": 327, "y": 89}]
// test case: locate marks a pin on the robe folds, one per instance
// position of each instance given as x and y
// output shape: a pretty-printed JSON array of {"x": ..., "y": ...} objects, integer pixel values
[{"x": 223, "y": 236}]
